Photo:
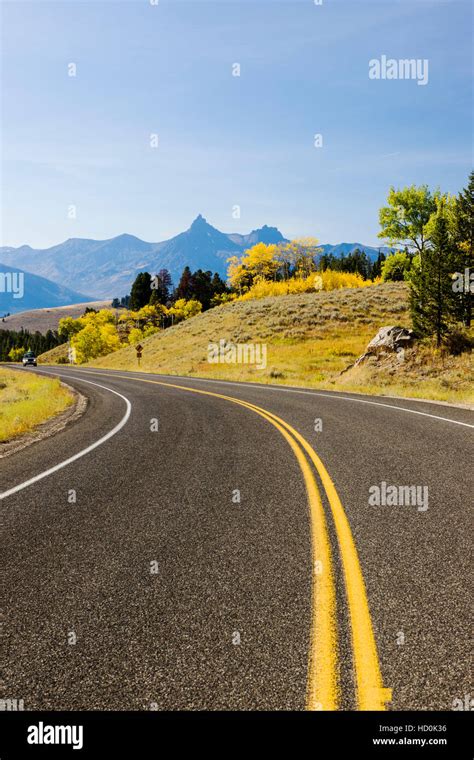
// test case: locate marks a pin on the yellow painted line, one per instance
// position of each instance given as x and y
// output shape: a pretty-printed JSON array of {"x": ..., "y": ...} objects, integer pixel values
[
  {"x": 322, "y": 682},
  {"x": 371, "y": 694}
]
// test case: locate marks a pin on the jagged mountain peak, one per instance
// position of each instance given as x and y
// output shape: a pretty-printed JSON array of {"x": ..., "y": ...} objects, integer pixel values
[
  {"x": 104, "y": 268},
  {"x": 200, "y": 221}
]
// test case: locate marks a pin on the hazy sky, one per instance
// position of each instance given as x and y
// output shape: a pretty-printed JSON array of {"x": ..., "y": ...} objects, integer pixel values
[{"x": 166, "y": 69}]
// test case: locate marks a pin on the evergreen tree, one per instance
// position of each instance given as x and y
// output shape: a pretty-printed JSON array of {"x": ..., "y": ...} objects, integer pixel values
[
  {"x": 432, "y": 299},
  {"x": 155, "y": 298},
  {"x": 464, "y": 232},
  {"x": 377, "y": 266},
  {"x": 218, "y": 285},
  {"x": 36, "y": 342},
  {"x": 184, "y": 289},
  {"x": 141, "y": 291},
  {"x": 201, "y": 287},
  {"x": 161, "y": 287}
]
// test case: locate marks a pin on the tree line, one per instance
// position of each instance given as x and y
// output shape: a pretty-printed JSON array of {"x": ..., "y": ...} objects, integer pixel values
[
  {"x": 283, "y": 262},
  {"x": 355, "y": 262},
  {"x": 14, "y": 343},
  {"x": 205, "y": 287}
]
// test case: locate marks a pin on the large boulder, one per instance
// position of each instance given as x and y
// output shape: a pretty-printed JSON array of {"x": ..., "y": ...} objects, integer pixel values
[{"x": 389, "y": 340}]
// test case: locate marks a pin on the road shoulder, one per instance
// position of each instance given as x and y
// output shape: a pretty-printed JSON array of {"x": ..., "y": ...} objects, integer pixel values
[{"x": 48, "y": 428}]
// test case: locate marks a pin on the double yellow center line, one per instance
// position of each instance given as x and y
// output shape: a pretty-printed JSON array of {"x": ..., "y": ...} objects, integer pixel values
[{"x": 323, "y": 687}]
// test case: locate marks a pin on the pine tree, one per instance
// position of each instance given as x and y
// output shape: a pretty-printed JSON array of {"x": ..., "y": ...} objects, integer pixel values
[
  {"x": 184, "y": 289},
  {"x": 218, "y": 285},
  {"x": 377, "y": 266},
  {"x": 161, "y": 287},
  {"x": 201, "y": 287},
  {"x": 432, "y": 298},
  {"x": 464, "y": 231},
  {"x": 155, "y": 298},
  {"x": 141, "y": 291}
]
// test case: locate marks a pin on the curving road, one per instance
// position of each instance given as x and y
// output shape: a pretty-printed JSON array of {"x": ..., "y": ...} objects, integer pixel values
[{"x": 191, "y": 544}]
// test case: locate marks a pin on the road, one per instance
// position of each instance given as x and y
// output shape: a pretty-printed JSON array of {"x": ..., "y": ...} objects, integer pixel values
[{"x": 211, "y": 545}]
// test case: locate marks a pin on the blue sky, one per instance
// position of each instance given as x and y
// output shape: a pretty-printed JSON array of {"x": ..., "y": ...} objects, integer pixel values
[{"x": 225, "y": 140}]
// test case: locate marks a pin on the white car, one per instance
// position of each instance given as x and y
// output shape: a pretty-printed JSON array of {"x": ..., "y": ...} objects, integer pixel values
[{"x": 29, "y": 359}]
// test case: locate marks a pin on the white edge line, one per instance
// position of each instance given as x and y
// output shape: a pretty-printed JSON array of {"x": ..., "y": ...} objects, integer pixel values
[
  {"x": 259, "y": 386},
  {"x": 349, "y": 398},
  {"x": 80, "y": 454}
]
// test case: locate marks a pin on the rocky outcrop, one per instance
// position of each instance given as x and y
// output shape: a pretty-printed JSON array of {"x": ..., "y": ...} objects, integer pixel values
[{"x": 389, "y": 341}]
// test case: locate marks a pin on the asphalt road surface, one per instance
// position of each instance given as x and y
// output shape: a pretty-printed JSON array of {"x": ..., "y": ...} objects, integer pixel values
[{"x": 217, "y": 550}]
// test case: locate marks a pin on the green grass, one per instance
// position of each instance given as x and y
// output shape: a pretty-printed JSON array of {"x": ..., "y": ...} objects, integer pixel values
[{"x": 27, "y": 400}]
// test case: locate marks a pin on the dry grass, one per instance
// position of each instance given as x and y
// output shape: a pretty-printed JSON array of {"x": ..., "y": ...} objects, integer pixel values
[
  {"x": 26, "y": 400},
  {"x": 57, "y": 355},
  {"x": 311, "y": 338},
  {"x": 424, "y": 373},
  {"x": 43, "y": 320}
]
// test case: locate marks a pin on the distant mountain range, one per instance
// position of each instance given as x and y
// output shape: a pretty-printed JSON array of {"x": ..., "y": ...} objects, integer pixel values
[
  {"x": 345, "y": 248},
  {"x": 106, "y": 268},
  {"x": 35, "y": 292}
]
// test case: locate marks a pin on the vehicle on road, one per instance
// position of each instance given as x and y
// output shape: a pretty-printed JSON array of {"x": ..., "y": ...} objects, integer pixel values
[{"x": 29, "y": 359}]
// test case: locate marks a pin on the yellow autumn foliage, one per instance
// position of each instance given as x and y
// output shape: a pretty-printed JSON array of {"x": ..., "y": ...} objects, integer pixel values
[{"x": 328, "y": 280}]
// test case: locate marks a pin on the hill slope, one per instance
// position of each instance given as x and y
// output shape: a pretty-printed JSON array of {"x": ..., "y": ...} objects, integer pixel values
[
  {"x": 310, "y": 340},
  {"x": 42, "y": 320}
]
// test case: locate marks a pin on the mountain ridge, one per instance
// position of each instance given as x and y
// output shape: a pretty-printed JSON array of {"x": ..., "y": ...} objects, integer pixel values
[
  {"x": 38, "y": 292},
  {"x": 107, "y": 268}
]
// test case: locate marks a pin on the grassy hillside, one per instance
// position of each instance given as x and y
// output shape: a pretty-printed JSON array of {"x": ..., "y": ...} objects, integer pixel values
[
  {"x": 26, "y": 400},
  {"x": 47, "y": 319},
  {"x": 57, "y": 355},
  {"x": 311, "y": 338}
]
